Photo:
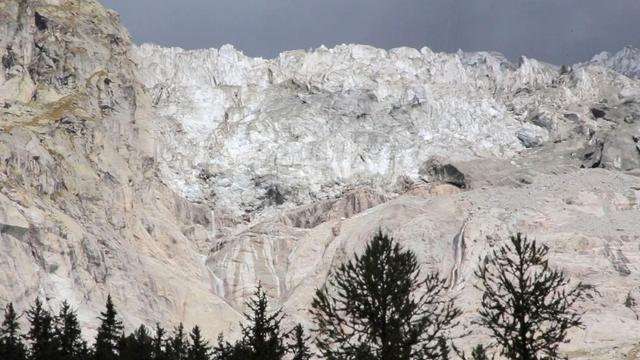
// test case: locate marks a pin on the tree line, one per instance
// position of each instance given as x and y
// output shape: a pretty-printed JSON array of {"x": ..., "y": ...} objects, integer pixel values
[{"x": 378, "y": 305}]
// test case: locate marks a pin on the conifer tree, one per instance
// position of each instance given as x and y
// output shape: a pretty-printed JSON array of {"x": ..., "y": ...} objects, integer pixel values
[
  {"x": 199, "y": 348},
  {"x": 527, "y": 306},
  {"x": 223, "y": 350},
  {"x": 69, "y": 334},
  {"x": 379, "y": 306},
  {"x": 262, "y": 338},
  {"x": 444, "y": 349},
  {"x": 109, "y": 333},
  {"x": 159, "y": 352},
  {"x": 178, "y": 344},
  {"x": 479, "y": 353},
  {"x": 361, "y": 352},
  {"x": 299, "y": 349},
  {"x": 11, "y": 344},
  {"x": 227, "y": 351},
  {"x": 86, "y": 353},
  {"x": 136, "y": 346},
  {"x": 42, "y": 341}
]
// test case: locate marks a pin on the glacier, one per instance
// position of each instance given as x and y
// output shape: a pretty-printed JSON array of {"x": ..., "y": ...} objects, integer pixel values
[{"x": 247, "y": 133}]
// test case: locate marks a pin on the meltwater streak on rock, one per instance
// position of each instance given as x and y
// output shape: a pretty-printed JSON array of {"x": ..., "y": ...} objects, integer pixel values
[{"x": 177, "y": 180}]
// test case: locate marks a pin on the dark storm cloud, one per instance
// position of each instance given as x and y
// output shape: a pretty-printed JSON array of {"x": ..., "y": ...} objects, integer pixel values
[{"x": 558, "y": 31}]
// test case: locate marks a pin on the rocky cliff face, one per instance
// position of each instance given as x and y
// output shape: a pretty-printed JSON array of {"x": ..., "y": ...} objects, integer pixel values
[
  {"x": 82, "y": 212},
  {"x": 177, "y": 180}
]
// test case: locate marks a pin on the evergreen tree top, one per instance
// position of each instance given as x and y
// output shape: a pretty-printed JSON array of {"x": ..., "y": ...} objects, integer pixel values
[
  {"x": 10, "y": 325},
  {"x": 378, "y": 305},
  {"x": 527, "y": 305}
]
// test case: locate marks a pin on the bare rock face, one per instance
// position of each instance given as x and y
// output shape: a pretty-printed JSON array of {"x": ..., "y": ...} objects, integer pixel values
[
  {"x": 178, "y": 180},
  {"x": 83, "y": 213}
]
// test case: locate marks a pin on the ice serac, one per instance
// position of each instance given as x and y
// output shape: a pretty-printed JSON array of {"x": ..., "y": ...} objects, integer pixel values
[
  {"x": 625, "y": 61},
  {"x": 308, "y": 125},
  {"x": 178, "y": 180}
]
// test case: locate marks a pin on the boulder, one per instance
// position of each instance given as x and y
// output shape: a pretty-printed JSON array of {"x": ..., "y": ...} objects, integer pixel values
[{"x": 435, "y": 170}]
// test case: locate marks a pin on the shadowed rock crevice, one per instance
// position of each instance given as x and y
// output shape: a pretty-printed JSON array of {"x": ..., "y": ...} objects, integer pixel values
[{"x": 40, "y": 21}]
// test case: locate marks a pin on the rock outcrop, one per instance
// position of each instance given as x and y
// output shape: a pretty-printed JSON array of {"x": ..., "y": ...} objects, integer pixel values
[
  {"x": 177, "y": 180},
  {"x": 84, "y": 213}
]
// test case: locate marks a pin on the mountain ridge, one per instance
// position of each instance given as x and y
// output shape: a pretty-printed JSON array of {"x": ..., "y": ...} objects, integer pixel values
[
  {"x": 625, "y": 61},
  {"x": 628, "y": 53}
]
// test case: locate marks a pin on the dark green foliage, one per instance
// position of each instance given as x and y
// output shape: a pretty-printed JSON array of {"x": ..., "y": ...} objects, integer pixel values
[
  {"x": 86, "y": 352},
  {"x": 42, "y": 341},
  {"x": 158, "y": 347},
  {"x": 526, "y": 305},
  {"x": 178, "y": 344},
  {"x": 69, "y": 335},
  {"x": 444, "y": 349},
  {"x": 11, "y": 344},
  {"x": 299, "y": 349},
  {"x": 378, "y": 306},
  {"x": 479, "y": 353},
  {"x": 262, "y": 338},
  {"x": 109, "y": 333},
  {"x": 362, "y": 352},
  {"x": 136, "y": 346},
  {"x": 223, "y": 349},
  {"x": 227, "y": 351},
  {"x": 199, "y": 348}
]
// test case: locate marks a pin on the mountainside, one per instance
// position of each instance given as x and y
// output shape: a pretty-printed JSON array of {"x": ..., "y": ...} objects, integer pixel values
[
  {"x": 83, "y": 212},
  {"x": 177, "y": 180}
]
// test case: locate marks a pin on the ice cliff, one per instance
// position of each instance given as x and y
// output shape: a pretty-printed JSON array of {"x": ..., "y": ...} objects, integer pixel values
[{"x": 247, "y": 133}]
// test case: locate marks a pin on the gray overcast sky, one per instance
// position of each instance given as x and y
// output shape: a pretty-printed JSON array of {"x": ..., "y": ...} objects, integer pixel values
[{"x": 557, "y": 31}]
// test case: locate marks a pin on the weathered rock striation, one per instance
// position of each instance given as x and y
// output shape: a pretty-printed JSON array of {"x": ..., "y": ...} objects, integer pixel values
[{"x": 177, "y": 180}]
